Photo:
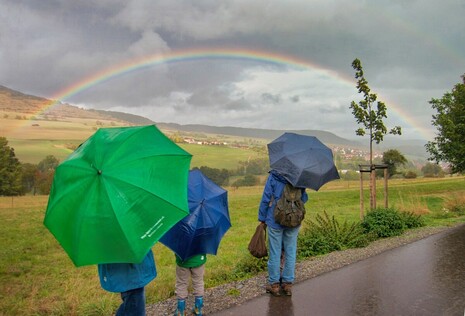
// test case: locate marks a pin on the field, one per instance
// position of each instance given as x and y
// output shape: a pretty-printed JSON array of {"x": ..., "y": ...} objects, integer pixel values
[
  {"x": 33, "y": 143},
  {"x": 37, "y": 277},
  {"x": 34, "y": 140}
]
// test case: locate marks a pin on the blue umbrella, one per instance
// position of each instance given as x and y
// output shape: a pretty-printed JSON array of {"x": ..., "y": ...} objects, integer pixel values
[
  {"x": 201, "y": 231},
  {"x": 303, "y": 160}
]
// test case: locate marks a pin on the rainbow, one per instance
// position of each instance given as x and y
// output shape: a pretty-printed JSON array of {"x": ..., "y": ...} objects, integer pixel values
[{"x": 186, "y": 55}]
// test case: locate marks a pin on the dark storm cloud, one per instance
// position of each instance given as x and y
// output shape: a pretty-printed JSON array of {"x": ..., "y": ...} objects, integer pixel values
[{"x": 411, "y": 51}]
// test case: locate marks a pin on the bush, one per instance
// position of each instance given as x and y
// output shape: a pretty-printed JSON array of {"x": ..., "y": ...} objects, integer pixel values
[
  {"x": 350, "y": 175},
  {"x": 219, "y": 176},
  {"x": 325, "y": 235},
  {"x": 412, "y": 220},
  {"x": 250, "y": 266},
  {"x": 384, "y": 222},
  {"x": 247, "y": 181},
  {"x": 455, "y": 205},
  {"x": 410, "y": 175}
]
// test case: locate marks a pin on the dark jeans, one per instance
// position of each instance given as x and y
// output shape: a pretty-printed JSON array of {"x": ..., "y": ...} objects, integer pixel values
[{"x": 133, "y": 303}]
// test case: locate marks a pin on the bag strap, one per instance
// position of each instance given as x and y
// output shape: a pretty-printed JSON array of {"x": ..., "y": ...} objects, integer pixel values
[
  {"x": 273, "y": 198},
  {"x": 271, "y": 201},
  {"x": 264, "y": 228}
]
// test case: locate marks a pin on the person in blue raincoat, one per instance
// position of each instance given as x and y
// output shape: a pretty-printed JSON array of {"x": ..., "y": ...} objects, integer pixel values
[
  {"x": 280, "y": 238},
  {"x": 130, "y": 280}
]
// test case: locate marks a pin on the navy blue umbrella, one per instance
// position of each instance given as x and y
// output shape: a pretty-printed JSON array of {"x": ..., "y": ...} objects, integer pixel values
[
  {"x": 303, "y": 160},
  {"x": 201, "y": 231}
]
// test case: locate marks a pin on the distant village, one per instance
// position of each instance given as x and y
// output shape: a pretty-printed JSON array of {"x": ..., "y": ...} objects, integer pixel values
[{"x": 346, "y": 153}]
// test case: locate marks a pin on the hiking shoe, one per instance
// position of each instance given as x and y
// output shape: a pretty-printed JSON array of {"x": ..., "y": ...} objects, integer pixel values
[
  {"x": 287, "y": 288},
  {"x": 274, "y": 289}
]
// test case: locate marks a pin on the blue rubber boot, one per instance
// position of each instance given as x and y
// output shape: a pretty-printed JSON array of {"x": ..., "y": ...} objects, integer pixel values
[
  {"x": 181, "y": 310},
  {"x": 197, "y": 310}
]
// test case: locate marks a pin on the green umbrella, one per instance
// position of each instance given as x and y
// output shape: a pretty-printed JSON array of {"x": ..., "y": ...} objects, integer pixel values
[{"x": 117, "y": 194}]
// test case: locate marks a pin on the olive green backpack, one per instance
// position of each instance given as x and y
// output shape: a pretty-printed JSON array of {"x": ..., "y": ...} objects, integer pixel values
[{"x": 290, "y": 209}]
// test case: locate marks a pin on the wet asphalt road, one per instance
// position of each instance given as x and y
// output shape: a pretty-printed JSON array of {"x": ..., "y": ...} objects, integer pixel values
[{"x": 424, "y": 278}]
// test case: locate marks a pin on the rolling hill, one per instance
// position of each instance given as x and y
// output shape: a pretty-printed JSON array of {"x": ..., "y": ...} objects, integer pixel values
[
  {"x": 28, "y": 106},
  {"x": 19, "y": 103}
]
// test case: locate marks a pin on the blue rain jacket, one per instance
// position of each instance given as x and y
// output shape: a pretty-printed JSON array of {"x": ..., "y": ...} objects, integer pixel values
[
  {"x": 274, "y": 187},
  {"x": 122, "y": 277}
]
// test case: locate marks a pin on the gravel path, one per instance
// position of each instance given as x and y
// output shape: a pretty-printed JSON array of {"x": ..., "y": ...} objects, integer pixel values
[{"x": 227, "y": 295}]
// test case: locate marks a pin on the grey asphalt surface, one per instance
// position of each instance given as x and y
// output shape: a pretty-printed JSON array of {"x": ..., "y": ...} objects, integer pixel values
[{"x": 426, "y": 277}]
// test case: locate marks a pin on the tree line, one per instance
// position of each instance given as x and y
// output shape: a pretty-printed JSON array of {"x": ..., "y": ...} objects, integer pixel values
[{"x": 18, "y": 178}]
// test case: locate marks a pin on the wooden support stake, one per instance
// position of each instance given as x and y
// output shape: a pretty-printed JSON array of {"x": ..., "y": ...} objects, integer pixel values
[
  {"x": 385, "y": 188},
  {"x": 361, "y": 195},
  {"x": 373, "y": 187}
]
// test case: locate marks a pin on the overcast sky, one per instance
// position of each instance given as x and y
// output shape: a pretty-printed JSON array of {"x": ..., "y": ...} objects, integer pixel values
[{"x": 411, "y": 52}]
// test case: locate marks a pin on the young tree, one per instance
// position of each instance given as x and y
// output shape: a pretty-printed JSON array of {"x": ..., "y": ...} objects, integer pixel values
[
  {"x": 10, "y": 170},
  {"x": 44, "y": 175},
  {"x": 49, "y": 163},
  {"x": 448, "y": 145},
  {"x": 370, "y": 114},
  {"x": 432, "y": 170},
  {"x": 393, "y": 158},
  {"x": 28, "y": 177}
]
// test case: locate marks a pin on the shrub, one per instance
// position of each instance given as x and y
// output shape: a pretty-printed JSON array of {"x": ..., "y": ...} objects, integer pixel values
[
  {"x": 311, "y": 244},
  {"x": 250, "y": 266},
  {"x": 410, "y": 174},
  {"x": 325, "y": 234},
  {"x": 383, "y": 222},
  {"x": 455, "y": 204},
  {"x": 412, "y": 220},
  {"x": 248, "y": 181}
]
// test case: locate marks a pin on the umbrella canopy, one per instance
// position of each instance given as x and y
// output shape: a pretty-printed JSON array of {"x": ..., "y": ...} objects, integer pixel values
[
  {"x": 202, "y": 230},
  {"x": 303, "y": 160},
  {"x": 117, "y": 194}
]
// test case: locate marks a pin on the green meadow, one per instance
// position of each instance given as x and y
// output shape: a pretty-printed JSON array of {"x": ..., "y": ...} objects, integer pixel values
[
  {"x": 38, "y": 278},
  {"x": 214, "y": 156}
]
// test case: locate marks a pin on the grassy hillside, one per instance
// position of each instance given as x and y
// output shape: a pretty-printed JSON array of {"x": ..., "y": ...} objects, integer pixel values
[
  {"x": 34, "y": 135},
  {"x": 219, "y": 157},
  {"x": 33, "y": 140}
]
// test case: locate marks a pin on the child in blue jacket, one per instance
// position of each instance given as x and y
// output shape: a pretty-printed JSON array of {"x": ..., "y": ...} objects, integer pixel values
[{"x": 129, "y": 279}]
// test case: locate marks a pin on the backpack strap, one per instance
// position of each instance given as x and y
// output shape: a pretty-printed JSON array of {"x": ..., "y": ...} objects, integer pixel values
[{"x": 271, "y": 201}]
